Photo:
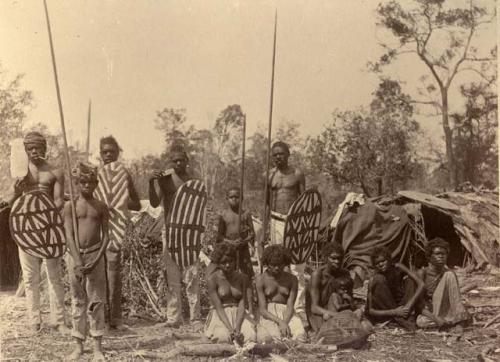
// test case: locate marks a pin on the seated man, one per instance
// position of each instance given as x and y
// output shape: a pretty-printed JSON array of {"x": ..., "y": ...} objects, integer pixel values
[
  {"x": 441, "y": 304},
  {"x": 325, "y": 302},
  {"x": 227, "y": 288},
  {"x": 391, "y": 295},
  {"x": 277, "y": 291}
]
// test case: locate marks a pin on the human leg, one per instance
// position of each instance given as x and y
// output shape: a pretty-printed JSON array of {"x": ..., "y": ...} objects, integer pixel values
[
  {"x": 78, "y": 304},
  {"x": 30, "y": 266},
  {"x": 114, "y": 284},
  {"x": 173, "y": 289},
  {"x": 192, "y": 282},
  {"x": 56, "y": 290}
]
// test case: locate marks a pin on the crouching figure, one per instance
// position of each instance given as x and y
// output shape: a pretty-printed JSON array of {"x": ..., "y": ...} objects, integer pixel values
[
  {"x": 441, "y": 304},
  {"x": 277, "y": 291},
  {"x": 227, "y": 290}
]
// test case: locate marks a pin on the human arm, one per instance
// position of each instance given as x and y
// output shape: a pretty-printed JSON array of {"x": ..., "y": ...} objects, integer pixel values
[
  {"x": 15, "y": 191},
  {"x": 301, "y": 180},
  {"x": 59, "y": 188},
  {"x": 216, "y": 302},
  {"x": 70, "y": 238},
  {"x": 221, "y": 229},
  {"x": 240, "y": 315},
  {"x": 315, "y": 296},
  {"x": 418, "y": 281},
  {"x": 250, "y": 231},
  {"x": 155, "y": 197},
  {"x": 104, "y": 215},
  {"x": 133, "y": 203},
  {"x": 261, "y": 297}
]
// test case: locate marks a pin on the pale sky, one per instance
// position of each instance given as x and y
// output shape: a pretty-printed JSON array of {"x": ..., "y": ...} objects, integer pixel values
[{"x": 133, "y": 58}]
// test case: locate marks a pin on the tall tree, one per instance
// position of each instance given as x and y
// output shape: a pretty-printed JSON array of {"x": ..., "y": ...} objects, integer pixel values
[
  {"x": 475, "y": 136},
  {"x": 373, "y": 150},
  {"x": 441, "y": 35},
  {"x": 172, "y": 123}
]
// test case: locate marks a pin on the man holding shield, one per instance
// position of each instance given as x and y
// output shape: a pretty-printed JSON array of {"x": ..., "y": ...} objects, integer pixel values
[
  {"x": 169, "y": 182},
  {"x": 116, "y": 189},
  {"x": 286, "y": 183},
  {"x": 49, "y": 180}
]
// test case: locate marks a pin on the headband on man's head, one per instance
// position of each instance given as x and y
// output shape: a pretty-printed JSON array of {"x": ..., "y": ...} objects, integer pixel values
[
  {"x": 85, "y": 169},
  {"x": 35, "y": 138}
]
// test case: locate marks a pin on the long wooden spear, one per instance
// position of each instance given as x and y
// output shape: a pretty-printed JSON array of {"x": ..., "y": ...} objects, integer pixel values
[
  {"x": 87, "y": 146},
  {"x": 268, "y": 162},
  {"x": 61, "y": 114}
]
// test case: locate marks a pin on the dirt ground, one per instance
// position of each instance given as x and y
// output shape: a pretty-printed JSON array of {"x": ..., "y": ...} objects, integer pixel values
[{"x": 476, "y": 343}]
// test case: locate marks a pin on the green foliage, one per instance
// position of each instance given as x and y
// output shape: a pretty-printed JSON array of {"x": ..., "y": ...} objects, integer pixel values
[{"x": 372, "y": 150}]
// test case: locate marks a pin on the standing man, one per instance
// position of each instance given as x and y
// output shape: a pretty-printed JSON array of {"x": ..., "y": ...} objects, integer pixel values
[
  {"x": 286, "y": 183},
  {"x": 116, "y": 189},
  {"x": 168, "y": 182},
  {"x": 48, "y": 179}
]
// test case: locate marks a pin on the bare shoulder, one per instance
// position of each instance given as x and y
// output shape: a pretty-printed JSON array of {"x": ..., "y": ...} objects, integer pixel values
[{"x": 57, "y": 171}]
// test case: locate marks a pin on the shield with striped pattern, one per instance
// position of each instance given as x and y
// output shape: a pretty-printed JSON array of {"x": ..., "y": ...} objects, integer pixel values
[
  {"x": 113, "y": 191},
  {"x": 187, "y": 222},
  {"x": 37, "y": 226},
  {"x": 302, "y": 226}
]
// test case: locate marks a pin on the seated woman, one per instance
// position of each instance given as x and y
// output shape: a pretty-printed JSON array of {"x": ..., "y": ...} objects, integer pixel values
[
  {"x": 441, "y": 304},
  {"x": 277, "y": 291},
  {"x": 227, "y": 320},
  {"x": 326, "y": 298},
  {"x": 391, "y": 295}
]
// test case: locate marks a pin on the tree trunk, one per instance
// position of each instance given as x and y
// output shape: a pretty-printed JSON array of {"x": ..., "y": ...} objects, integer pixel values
[{"x": 448, "y": 137}]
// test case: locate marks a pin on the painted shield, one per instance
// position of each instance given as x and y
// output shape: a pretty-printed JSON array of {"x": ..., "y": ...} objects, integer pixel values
[
  {"x": 37, "y": 226},
  {"x": 113, "y": 191},
  {"x": 302, "y": 226},
  {"x": 187, "y": 222}
]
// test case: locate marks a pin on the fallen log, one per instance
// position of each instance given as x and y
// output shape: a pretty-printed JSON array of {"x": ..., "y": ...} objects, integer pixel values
[{"x": 259, "y": 349}]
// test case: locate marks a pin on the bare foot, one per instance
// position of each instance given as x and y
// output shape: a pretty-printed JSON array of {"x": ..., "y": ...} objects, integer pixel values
[{"x": 98, "y": 356}]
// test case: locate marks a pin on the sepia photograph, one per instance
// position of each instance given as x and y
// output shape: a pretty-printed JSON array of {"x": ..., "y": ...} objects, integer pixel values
[{"x": 249, "y": 180}]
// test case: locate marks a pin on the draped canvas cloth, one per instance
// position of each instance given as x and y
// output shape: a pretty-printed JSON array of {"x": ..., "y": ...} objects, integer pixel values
[{"x": 362, "y": 228}]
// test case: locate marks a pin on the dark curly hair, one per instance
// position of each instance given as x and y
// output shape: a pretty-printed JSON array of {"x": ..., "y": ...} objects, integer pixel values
[
  {"x": 178, "y": 148},
  {"x": 329, "y": 248},
  {"x": 223, "y": 249},
  {"x": 283, "y": 145},
  {"x": 435, "y": 243},
  {"x": 109, "y": 140},
  {"x": 345, "y": 281},
  {"x": 276, "y": 255},
  {"x": 380, "y": 251}
]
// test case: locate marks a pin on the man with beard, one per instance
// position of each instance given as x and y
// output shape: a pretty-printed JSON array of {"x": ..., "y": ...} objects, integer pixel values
[
  {"x": 44, "y": 177},
  {"x": 116, "y": 189},
  {"x": 168, "y": 182},
  {"x": 286, "y": 183}
]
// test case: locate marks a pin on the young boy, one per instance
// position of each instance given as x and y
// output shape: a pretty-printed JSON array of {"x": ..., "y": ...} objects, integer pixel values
[
  {"x": 229, "y": 230},
  {"x": 87, "y": 265}
]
